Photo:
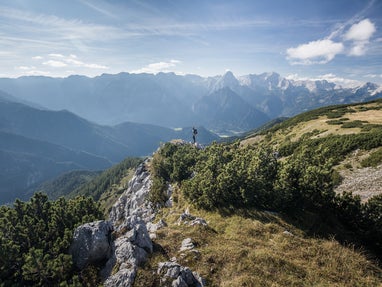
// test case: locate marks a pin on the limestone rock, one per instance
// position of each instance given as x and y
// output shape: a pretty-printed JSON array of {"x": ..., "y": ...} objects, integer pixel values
[
  {"x": 131, "y": 217},
  {"x": 153, "y": 227},
  {"x": 127, "y": 252},
  {"x": 187, "y": 244},
  {"x": 124, "y": 277},
  {"x": 198, "y": 221},
  {"x": 178, "y": 275},
  {"x": 133, "y": 203},
  {"x": 139, "y": 236},
  {"x": 187, "y": 218},
  {"x": 91, "y": 243},
  {"x": 130, "y": 214}
]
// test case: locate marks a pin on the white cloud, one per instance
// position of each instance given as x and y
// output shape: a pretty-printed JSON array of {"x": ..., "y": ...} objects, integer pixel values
[
  {"x": 320, "y": 51},
  {"x": 361, "y": 31},
  {"x": 360, "y": 35},
  {"x": 330, "y": 77},
  {"x": 95, "y": 66},
  {"x": 32, "y": 71},
  {"x": 37, "y": 58},
  {"x": 324, "y": 50},
  {"x": 358, "y": 49},
  {"x": 71, "y": 61},
  {"x": 155, "y": 68},
  {"x": 54, "y": 64},
  {"x": 370, "y": 76},
  {"x": 26, "y": 68},
  {"x": 373, "y": 76},
  {"x": 348, "y": 83},
  {"x": 56, "y": 55}
]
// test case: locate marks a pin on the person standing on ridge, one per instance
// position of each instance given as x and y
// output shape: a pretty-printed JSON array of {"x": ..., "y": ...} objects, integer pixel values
[{"x": 194, "y": 133}]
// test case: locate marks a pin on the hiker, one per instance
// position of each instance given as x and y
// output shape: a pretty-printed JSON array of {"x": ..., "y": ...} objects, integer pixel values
[{"x": 194, "y": 133}]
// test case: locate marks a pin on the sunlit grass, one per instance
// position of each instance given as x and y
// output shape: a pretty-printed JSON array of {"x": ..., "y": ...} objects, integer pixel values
[{"x": 259, "y": 249}]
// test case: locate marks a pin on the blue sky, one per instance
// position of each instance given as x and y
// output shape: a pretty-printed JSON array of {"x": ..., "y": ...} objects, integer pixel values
[{"x": 339, "y": 40}]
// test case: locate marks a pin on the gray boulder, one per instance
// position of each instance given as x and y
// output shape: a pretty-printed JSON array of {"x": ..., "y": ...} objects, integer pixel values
[
  {"x": 178, "y": 276},
  {"x": 124, "y": 277},
  {"x": 125, "y": 261},
  {"x": 91, "y": 243},
  {"x": 139, "y": 236}
]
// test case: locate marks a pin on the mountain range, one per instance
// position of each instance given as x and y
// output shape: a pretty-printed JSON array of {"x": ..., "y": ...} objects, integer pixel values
[
  {"x": 49, "y": 126},
  {"x": 225, "y": 104},
  {"x": 38, "y": 144}
]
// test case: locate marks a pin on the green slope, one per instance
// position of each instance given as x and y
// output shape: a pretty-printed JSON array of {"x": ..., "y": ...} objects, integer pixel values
[{"x": 274, "y": 218}]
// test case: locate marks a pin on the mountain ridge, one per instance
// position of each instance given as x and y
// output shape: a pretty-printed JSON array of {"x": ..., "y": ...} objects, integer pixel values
[
  {"x": 62, "y": 141},
  {"x": 167, "y": 99}
]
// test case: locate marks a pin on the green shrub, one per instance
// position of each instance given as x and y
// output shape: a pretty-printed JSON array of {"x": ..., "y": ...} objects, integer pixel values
[
  {"x": 374, "y": 159},
  {"x": 288, "y": 147},
  {"x": 172, "y": 163},
  {"x": 35, "y": 237},
  {"x": 353, "y": 124},
  {"x": 336, "y": 113},
  {"x": 158, "y": 191},
  {"x": 370, "y": 127}
]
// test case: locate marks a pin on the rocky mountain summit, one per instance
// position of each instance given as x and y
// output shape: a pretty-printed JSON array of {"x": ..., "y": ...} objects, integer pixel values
[{"x": 124, "y": 243}]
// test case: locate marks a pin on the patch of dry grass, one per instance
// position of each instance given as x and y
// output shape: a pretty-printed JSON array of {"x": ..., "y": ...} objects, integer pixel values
[
  {"x": 259, "y": 249},
  {"x": 370, "y": 113}
]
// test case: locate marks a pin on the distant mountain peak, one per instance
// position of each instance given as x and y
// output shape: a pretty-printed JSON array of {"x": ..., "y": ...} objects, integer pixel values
[
  {"x": 271, "y": 76},
  {"x": 227, "y": 80},
  {"x": 228, "y": 73}
]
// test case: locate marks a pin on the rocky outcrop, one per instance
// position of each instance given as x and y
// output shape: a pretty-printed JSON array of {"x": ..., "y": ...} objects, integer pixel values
[
  {"x": 178, "y": 276},
  {"x": 129, "y": 216},
  {"x": 133, "y": 205},
  {"x": 124, "y": 263},
  {"x": 91, "y": 243},
  {"x": 128, "y": 247}
]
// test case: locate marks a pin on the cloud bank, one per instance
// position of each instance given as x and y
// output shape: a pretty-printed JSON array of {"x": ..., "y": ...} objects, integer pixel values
[
  {"x": 53, "y": 62},
  {"x": 354, "y": 43},
  {"x": 155, "y": 68},
  {"x": 315, "y": 52}
]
